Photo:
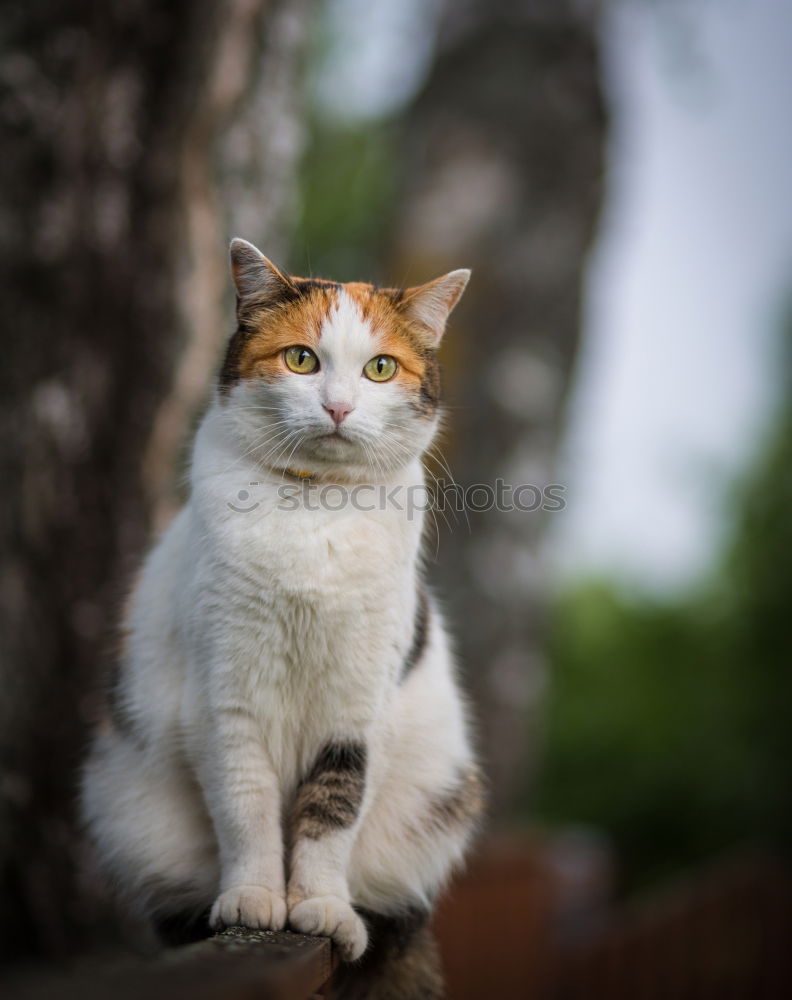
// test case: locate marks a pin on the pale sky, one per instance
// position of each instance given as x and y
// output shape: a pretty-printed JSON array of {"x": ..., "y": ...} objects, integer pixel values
[{"x": 687, "y": 286}]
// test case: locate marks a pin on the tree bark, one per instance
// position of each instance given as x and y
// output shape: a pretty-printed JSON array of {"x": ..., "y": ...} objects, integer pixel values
[
  {"x": 134, "y": 133},
  {"x": 506, "y": 143}
]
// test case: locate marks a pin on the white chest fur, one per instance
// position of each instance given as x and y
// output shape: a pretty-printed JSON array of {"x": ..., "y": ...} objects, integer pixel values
[{"x": 299, "y": 601}]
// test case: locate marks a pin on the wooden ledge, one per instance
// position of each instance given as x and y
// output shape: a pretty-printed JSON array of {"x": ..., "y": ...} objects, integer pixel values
[{"x": 238, "y": 964}]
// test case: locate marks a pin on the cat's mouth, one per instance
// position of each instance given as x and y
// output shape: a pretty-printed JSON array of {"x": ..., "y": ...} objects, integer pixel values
[{"x": 336, "y": 435}]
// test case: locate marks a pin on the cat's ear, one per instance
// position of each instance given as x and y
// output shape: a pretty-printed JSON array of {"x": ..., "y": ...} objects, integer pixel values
[
  {"x": 429, "y": 305},
  {"x": 256, "y": 278}
]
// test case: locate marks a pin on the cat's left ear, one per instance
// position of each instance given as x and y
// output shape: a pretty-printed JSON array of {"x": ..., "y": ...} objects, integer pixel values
[
  {"x": 430, "y": 305},
  {"x": 255, "y": 276}
]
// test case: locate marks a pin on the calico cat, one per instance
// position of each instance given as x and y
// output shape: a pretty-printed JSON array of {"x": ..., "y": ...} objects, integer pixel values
[{"x": 287, "y": 745}]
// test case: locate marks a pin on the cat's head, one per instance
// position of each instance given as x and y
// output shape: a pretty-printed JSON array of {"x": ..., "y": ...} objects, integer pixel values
[{"x": 326, "y": 377}]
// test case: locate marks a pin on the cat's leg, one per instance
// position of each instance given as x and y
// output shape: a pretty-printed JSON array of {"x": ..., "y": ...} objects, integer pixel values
[
  {"x": 428, "y": 796},
  {"x": 426, "y": 805},
  {"x": 410, "y": 840},
  {"x": 325, "y": 819},
  {"x": 242, "y": 793}
]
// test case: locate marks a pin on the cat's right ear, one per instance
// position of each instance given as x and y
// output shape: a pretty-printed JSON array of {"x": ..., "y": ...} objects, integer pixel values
[{"x": 256, "y": 278}]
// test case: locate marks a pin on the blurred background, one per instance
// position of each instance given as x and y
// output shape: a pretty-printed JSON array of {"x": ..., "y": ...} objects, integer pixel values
[{"x": 617, "y": 176}]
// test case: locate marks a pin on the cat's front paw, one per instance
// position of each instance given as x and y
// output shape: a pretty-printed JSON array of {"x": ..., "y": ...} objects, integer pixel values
[
  {"x": 249, "y": 906},
  {"x": 332, "y": 917}
]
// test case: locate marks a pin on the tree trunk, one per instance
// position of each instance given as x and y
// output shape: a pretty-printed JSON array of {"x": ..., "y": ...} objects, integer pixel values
[
  {"x": 130, "y": 128},
  {"x": 506, "y": 143}
]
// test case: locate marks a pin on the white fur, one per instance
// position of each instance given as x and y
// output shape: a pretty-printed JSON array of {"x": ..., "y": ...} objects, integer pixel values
[{"x": 254, "y": 639}]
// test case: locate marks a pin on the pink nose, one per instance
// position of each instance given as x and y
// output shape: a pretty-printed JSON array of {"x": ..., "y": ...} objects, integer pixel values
[{"x": 338, "y": 411}]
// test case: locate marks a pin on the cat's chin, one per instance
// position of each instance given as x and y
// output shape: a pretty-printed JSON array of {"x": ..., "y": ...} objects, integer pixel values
[
  {"x": 338, "y": 455},
  {"x": 334, "y": 443}
]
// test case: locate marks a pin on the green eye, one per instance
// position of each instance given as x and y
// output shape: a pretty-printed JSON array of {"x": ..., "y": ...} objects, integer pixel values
[
  {"x": 381, "y": 369},
  {"x": 300, "y": 360}
]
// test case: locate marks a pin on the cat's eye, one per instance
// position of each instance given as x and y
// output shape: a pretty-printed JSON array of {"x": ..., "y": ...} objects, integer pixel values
[
  {"x": 381, "y": 369},
  {"x": 300, "y": 360}
]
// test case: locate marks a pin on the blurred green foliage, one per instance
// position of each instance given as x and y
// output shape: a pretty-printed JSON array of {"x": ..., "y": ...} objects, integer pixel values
[
  {"x": 668, "y": 721},
  {"x": 347, "y": 193}
]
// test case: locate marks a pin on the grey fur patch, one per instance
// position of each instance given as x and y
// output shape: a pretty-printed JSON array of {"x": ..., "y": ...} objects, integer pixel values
[
  {"x": 462, "y": 805},
  {"x": 431, "y": 390},
  {"x": 420, "y": 634},
  {"x": 330, "y": 796}
]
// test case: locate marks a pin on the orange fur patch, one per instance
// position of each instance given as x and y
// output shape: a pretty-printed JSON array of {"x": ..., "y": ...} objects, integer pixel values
[{"x": 296, "y": 322}]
